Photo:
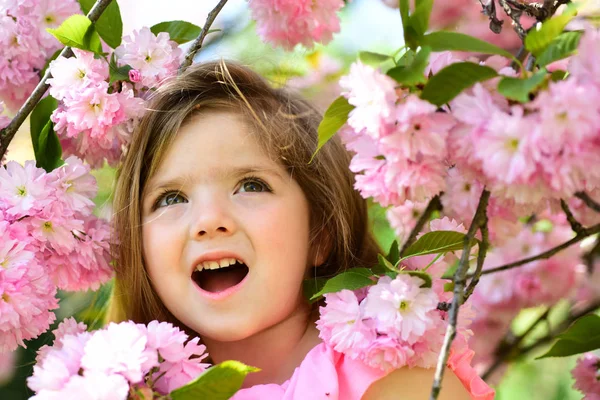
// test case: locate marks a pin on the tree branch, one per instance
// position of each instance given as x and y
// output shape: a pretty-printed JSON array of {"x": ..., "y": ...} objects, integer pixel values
[
  {"x": 591, "y": 203},
  {"x": 489, "y": 10},
  {"x": 575, "y": 225},
  {"x": 481, "y": 253},
  {"x": 459, "y": 285},
  {"x": 8, "y": 133},
  {"x": 513, "y": 352},
  {"x": 434, "y": 205},
  {"x": 548, "y": 253},
  {"x": 515, "y": 15},
  {"x": 197, "y": 45}
]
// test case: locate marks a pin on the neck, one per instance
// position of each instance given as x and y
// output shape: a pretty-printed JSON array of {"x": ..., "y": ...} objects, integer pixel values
[{"x": 277, "y": 350}]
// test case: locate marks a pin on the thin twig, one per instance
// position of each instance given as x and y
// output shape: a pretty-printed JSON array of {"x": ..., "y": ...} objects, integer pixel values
[
  {"x": 197, "y": 45},
  {"x": 457, "y": 299},
  {"x": 591, "y": 203},
  {"x": 548, "y": 253},
  {"x": 489, "y": 10},
  {"x": 515, "y": 16},
  {"x": 434, "y": 205},
  {"x": 8, "y": 133},
  {"x": 575, "y": 225},
  {"x": 514, "y": 353},
  {"x": 481, "y": 253}
]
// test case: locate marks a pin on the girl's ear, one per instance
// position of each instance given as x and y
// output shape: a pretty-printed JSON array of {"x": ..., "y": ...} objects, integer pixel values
[{"x": 321, "y": 247}]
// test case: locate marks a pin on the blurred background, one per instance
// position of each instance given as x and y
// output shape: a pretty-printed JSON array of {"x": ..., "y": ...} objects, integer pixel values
[{"x": 366, "y": 25}]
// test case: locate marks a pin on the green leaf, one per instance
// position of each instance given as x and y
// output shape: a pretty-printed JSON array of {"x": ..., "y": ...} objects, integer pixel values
[
  {"x": 537, "y": 40},
  {"x": 386, "y": 264},
  {"x": 407, "y": 58},
  {"x": 519, "y": 89},
  {"x": 370, "y": 58},
  {"x": 404, "y": 8},
  {"x": 352, "y": 279},
  {"x": 449, "y": 287},
  {"x": 46, "y": 145},
  {"x": 419, "y": 20},
  {"x": 563, "y": 46},
  {"x": 453, "y": 79},
  {"x": 415, "y": 72},
  {"x": 582, "y": 336},
  {"x": 454, "y": 41},
  {"x": 54, "y": 56},
  {"x": 435, "y": 242},
  {"x": 335, "y": 117},
  {"x": 558, "y": 75},
  {"x": 117, "y": 73},
  {"x": 77, "y": 31},
  {"x": 393, "y": 255},
  {"x": 427, "y": 281},
  {"x": 312, "y": 286},
  {"x": 219, "y": 382},
  {"x": 49, "y": 149},
  {"x": 179, "y": 31},
  {"x": 110, "y": 25}
]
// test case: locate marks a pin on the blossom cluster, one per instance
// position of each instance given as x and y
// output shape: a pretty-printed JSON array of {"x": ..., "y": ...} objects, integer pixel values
[
  {"x": 587, "y": 376},
  {"x": 26, "y": 45},
  {"x": 529, "y": 156},
  {"x": 117, "y": 362},
  {"x": 391, "y": 324},
  {"x": 287, "y": 23},
  {"x": 50, "y": 240},
  {"x": 94, "y": 119}
]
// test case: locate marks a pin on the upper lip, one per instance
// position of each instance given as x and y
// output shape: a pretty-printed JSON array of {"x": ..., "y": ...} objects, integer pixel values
[{"x": 216, "y": 256}]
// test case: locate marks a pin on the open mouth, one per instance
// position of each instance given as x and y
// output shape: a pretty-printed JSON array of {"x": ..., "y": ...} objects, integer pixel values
[{"x": 220, "y": 279}]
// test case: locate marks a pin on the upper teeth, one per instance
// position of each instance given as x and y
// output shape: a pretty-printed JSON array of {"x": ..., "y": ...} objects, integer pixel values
[{"x": 225, "y": 262}]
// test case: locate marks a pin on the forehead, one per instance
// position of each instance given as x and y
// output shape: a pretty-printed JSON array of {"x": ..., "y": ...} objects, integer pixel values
[{"x": 209, "y": 146}]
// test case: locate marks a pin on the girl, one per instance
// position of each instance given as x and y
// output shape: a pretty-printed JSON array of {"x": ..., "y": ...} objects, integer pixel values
[{"x": 221, "y": 217}]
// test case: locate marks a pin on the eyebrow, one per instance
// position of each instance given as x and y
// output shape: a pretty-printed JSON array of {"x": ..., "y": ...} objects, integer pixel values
[{"x": 218, "y": 173}]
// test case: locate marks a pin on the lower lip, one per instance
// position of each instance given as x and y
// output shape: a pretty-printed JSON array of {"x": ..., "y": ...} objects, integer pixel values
[{"x": 223, "y": 293}]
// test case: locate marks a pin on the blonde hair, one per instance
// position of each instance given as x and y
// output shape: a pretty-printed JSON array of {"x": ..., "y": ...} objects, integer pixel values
[{"x": 285, "y": 126}]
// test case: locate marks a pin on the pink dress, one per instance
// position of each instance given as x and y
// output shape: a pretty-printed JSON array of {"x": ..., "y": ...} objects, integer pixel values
[{"x": 328, "y": 375}]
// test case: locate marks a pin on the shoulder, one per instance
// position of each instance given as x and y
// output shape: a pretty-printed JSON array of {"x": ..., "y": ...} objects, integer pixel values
[{"x": 415, "y": 383}]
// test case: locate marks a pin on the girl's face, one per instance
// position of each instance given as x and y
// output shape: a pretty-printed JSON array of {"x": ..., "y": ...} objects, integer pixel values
[{"x": 217, "y": 198}]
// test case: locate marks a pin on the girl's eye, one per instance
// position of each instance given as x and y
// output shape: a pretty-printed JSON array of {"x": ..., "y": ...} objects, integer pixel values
[
  {"x": 168, "y": 199},
  {"x": 252, "y": 185}
]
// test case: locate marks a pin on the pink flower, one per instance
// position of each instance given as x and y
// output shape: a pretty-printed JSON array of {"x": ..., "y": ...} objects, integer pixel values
[
  {"x": 187, "y": 368},
  {"x": 23, "y": 189},
  {"x": 584, "y": 65},
  {"x": 373, "y": 95},
  {"x": 289, "y": 22},
  {"x": 120, "y": 349},
  {"x": 135, "y": 76},
  {"x": 167, "y": 339},
  {"x": 70, "y": 76},
  {"x": 77, "y": 187},
  {"x": 59, "y": 365},
  {"x": 27, "y": 296},
  {"x": 419, "y": 130},
  {"x": 154, "y": 57},
  {"x": 505, "y": 146},
  {"x": 586, "y": 374},
  {"x": 403, "y": 218},
  {"x": 387, "y": 354},
  {"x": 92, "y": 386},
  {"x": 341, "y": 323},
  {"x": 401, "y": 307}
]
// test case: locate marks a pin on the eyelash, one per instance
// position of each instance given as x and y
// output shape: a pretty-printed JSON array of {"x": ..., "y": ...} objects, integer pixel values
[{"x": 166, "y": 192}]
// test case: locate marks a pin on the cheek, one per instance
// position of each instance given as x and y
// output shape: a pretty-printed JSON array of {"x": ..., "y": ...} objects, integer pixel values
[{"x": 161, "y": 245}]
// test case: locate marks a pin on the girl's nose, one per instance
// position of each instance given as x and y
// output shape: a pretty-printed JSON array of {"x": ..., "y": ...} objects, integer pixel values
[{"x": 212, "y": 218}]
